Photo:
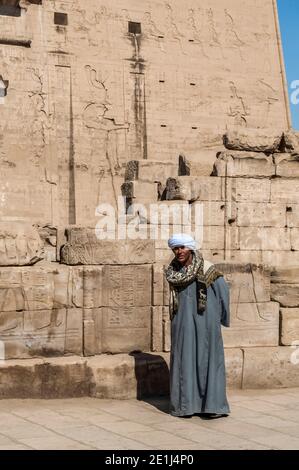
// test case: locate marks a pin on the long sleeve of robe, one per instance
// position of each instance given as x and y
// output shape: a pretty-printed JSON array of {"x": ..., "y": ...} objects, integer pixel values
[{"x": 197, "y": 366}]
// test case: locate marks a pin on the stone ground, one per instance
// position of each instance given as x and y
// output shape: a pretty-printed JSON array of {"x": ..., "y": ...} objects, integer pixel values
[{"x": 267, "y": 419}]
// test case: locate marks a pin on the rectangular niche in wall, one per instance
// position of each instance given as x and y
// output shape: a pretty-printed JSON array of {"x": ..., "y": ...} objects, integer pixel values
[
  {"x": 134, "y": 28},
  {"x": 61, "y": 19},
  {"x": 10, "y": 10}
]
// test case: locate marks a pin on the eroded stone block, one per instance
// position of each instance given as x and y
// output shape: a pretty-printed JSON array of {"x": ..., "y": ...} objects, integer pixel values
[
  {"x": 109, "y": 252},
  {"x": 265, "y": 238},
  {"x": 20, "y": 244},
  {"x": 123, "y": 329},
  {"x": 287, "y": 166},
  {"x": 248, "y": 283},
  {"x": 41, "y": 333},
  {"x": 252, "y": 324},
  {"x": 252, "y": 140},
  {"x": 289, "y": 333},
  {"x": 189, "y": 188},
  {"x": 286, "y": 294},
  {"x": 270, "y": 367},
  {"x": 261, "y": 214},
  {"x": 246, "y": 164}
]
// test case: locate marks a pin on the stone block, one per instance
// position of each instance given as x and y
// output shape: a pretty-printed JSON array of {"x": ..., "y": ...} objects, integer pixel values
[
  {"x": 291, "y": 141},
  {"x": 261, "y": 214},
  {"x": 189, "y": 188},
  {"x": 286, "y": 294},
  {"x": 270, "y": 368},
  {"x": 123, "y": 329},
  {"x": 126, "y": 286},
  {"x": 285, "y": 275},
  {"x": 287, "y": 166},
  {"x": 40, "y": 288},
  {"x": 166, "y": 330},
  {"x": 213, "y": 238},
  {"x": 282, "y": 190},
  {"x": 41, "y": 333},
  {"x": 292, "y": 215},
  {"x": 158, "y": 285},
  {"x": 157, "y": 329},
  {"x": 245, "y": 256},
  {"x": 248, "y": 189},
  {"x": 140, "y": 191},
  {"x": 252, "y": 324},
  {"x": 234, "y": 367},
  {"x": 294, "y": 239},
  {"x": 253, "y": 140},
  {"x": 129, "y": 376},
  {"x": 151, "y": 171},
  {"x": 196, "y": 165},
  {"x": 109, "y": 252},
  {"x": 289, "y": 326},
  {"x": 211, "y": 213},
  {"x": 265, "y": 238},
  {"x": 280, "y": 258},
  {"x": 245, "y": 164},
  {"x": 20, "y": 244},
  {"x": 248, "y": 283}
]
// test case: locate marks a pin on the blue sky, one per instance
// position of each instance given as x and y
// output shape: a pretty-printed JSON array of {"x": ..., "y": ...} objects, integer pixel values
[{"x": 289, "y": 25}]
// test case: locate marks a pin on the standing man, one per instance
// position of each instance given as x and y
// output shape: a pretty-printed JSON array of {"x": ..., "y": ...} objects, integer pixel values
[{"x": 199, "y": 304}]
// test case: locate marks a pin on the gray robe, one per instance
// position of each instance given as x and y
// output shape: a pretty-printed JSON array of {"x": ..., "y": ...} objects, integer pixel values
[{"x": 197, "y": 367}]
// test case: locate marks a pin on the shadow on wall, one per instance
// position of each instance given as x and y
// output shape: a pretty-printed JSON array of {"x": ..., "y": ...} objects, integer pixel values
[{"x": 152, "y": 377}]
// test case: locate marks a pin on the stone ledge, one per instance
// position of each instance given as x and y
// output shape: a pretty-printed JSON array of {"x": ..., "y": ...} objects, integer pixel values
[{"x": 136, "y": 375}]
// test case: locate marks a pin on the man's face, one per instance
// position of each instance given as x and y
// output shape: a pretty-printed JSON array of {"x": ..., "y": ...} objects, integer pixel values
[{"x": 182, "y": 254}]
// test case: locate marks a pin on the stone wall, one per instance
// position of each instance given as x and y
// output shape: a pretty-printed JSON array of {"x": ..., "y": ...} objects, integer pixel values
[
  {"x": 93, "y": 85},
  {"x": 164, "y": 107}
]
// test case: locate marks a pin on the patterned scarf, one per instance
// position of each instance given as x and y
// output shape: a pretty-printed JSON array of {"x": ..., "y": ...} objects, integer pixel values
[{"x": 179, "y": 277}]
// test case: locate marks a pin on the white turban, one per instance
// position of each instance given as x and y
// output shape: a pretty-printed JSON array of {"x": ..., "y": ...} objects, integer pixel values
[{"x": 182, "y": 239}]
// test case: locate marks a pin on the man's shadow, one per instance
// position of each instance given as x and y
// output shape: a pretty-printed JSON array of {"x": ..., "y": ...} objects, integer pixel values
[{"x": 152, "y": 376}]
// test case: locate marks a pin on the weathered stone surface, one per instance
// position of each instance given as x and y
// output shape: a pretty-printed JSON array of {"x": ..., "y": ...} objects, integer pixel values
[
  {"x": 261, "y": 214},
  {"x": 292, "y": 215},
  {"x": 291, "y": 141},
  {"x": 189, "y": 188},
  {"x": 294, "y": 239},
  {"x": 247, "y": 164},
  {"x": 286, "y": 294},
  {"x": 280, "y": 258},
  {"x": 40, "y": 288},
  {"x": 282, "y": 190},
  {"x": 244, "y": 256},
  {"x": 126, "y": 286},
  {"x": 287, "y": 166},
  {"x": 48, "y": 378},
  {"x": 247, "y": 282},
  {"x": 157, "y": 329},
  {"x": 123, "y": 329},
  {"x": 109, "y": 252},
  {"x": 289, "y": 333},
  {"x": 248, "y": 189},
  {"x": 152, "y": 171},
  {"x": 211, "y": 214},
  {"x": 158, "y": 285},
  {"x": 199, "y": 165},
  {"x": 234, "y": 367},
  {"x": 41, "y": 333},
  {"x": 265, "y": 238},
  {"x": 254, "y": 324},
  {"x": 140, "y": 191},
  {"x": 252, "y": 141},
  {"x": 123, "y": 376},
  {"x": 285, "y": 275},
  {"x": 270, "y": 368},
  {"x": 20, "y": 244}
]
